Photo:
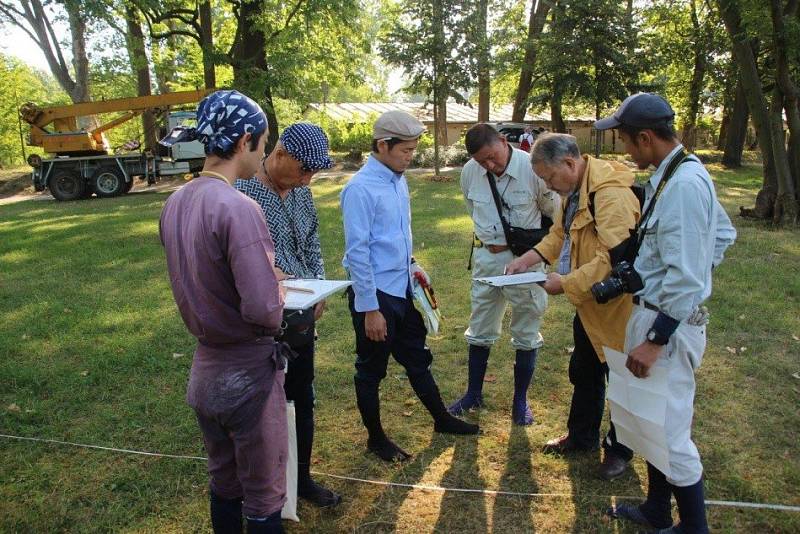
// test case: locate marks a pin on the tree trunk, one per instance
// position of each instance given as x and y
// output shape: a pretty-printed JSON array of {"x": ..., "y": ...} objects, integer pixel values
[
  {"x": 757, "y": 104},
  {"x": 207, "y": 44},
  {"x": 248, "y": 57},
  {"x": 785, "y": 202},
  {"x": 31, "y": 17},
  {"x": 736, "y": 130},
  {"x": 556, "y": 118},
  {"x": 689, "y": 133},
  {"x": 536, "y": 20},
  {"x": 483, "y": 63},
  {"x": 80, "y": 61},
  {"x": 436, "y": 162},
  {"x": 140, "y": 67},
  {"x": 785, "y": 95}
]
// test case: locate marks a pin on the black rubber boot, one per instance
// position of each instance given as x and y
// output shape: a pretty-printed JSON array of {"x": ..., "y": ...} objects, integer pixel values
[
  {"x": 306, "y": 487},
  {"x": 226, "y": 514},
  {"x": 691, "y": 508},
  {"x": 265, "y": 525},
  {"x": 369, "y": 407},
  {"x": 426, "y": 389}
]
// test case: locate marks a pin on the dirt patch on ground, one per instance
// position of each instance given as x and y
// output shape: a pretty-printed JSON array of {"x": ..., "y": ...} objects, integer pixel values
[{"x": 15, "y": 182}]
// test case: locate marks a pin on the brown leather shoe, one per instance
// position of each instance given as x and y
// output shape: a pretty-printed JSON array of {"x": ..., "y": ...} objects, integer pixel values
[
  {"x": 564, "y": 445},
  {"x": 612, "y": 467}
]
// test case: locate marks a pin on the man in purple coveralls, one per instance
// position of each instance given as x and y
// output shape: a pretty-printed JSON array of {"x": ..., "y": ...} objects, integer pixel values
[{"x": 220, "y": 258}]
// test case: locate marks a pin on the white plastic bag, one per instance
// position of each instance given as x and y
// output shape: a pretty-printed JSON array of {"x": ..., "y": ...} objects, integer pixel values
[{"x": 289, "y": 510}]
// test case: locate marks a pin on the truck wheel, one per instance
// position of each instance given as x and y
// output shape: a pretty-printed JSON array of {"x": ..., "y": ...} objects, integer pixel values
[
  {"x": 67, "y": 185},
  {"x": 108, "y": 182}
]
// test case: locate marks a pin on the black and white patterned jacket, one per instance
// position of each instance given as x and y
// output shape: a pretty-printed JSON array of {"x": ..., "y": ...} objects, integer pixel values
[{"x": 293, "y": 225}]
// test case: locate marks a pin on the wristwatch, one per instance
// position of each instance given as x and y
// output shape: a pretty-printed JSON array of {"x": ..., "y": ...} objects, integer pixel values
[{"x": 654, "y": 337}]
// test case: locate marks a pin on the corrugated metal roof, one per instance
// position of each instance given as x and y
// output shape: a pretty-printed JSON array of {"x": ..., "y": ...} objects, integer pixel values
[{"x": 361, "y": 112}]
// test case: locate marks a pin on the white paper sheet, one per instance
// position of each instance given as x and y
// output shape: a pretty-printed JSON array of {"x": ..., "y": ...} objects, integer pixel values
[
  {"x": 312, "y": 291},
  {"x": 513, "y": 279},
  {"x": 638, "y": 409}
]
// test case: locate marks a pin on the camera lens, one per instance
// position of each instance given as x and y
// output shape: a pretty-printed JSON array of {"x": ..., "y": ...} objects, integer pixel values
[{"x": 608, "y": 289}]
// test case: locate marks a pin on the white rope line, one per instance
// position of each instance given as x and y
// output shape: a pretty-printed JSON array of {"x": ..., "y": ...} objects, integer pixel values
[{"x": 731, "y": 504}]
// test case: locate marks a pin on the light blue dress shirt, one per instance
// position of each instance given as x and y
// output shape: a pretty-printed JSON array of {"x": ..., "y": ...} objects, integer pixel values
[
  {"x": 376, "y": 210},
  {"x": 686, "y": 235}
]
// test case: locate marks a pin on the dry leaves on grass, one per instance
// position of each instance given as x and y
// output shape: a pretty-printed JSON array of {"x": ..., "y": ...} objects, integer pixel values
[
  {"x": 490, "y": 378},
  {"x": 13, "y": 408}
]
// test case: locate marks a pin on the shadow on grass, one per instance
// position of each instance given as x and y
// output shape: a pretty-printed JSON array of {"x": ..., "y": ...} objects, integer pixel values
[
  {"x": 592, "y": 495},
  {"x": 511, "y": 513},
  {"x": 463, "y": 472}
]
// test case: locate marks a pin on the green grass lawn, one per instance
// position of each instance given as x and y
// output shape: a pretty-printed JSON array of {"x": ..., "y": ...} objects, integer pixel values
[{"x": 93, "y": 351}]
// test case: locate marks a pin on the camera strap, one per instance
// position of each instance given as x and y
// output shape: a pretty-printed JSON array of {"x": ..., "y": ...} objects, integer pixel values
[{"x": 672, "y": 166}]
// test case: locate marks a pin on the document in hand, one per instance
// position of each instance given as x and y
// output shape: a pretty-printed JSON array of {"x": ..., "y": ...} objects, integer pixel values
[
  {"x": 513, "y": 279},
  {"x": 639, "y": 409},
  {"x": 304, "y": 293}
]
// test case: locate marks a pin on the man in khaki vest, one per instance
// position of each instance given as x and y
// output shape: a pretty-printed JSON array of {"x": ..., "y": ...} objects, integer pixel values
[{"x": 599, "y": 211}]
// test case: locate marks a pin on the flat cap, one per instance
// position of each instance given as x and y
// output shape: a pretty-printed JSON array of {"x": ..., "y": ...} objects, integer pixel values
[
  {"x": 397, "y": 124},
  {"x": 641, "y": 110}
]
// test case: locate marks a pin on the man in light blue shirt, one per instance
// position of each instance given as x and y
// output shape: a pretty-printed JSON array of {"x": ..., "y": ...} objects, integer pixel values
[
  {"x": 684, "y": 233},
  {"x": 377, "y": 230}
]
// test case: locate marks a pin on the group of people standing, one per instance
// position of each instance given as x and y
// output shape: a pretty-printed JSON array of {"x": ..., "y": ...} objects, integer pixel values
[{"x": 248, "y": 221}]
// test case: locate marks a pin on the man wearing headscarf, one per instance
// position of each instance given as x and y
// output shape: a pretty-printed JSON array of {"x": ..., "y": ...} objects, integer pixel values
[
  {"x": 220, "y": 259},
  {"x": 280, "y": 187}
]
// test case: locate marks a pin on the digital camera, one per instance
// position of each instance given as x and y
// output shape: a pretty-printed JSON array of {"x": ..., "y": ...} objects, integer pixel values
[{"x": 623, "y": 279}]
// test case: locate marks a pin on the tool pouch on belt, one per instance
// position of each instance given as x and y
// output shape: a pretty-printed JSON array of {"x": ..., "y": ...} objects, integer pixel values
[
  {"x": 298, "y": 327},
  {"x": 519, "y": 240}
]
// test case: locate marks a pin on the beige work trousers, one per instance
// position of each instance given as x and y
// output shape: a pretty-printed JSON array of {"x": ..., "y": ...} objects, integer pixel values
[
  {"x": 681, "y": 358},
  {"x": 528, "y": 303}
]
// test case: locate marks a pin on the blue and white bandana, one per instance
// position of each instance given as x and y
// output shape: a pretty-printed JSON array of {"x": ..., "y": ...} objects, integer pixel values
[
  {"x": 308, "y": 144},
  {"x": 222, "y": 118},
  {"x": 225, "y": 116}
]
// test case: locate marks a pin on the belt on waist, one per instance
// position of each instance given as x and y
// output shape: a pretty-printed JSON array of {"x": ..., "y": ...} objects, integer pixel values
[
  {"x": 494, "y": 249},
  {"x": 641, "y": 302}
]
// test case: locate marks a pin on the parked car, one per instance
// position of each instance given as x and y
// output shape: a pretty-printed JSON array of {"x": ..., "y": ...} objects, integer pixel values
[{"x": 513, "y": 131}]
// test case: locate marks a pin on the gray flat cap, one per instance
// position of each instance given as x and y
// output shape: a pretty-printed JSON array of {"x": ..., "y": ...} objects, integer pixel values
[{"x": 397, "y": 124}]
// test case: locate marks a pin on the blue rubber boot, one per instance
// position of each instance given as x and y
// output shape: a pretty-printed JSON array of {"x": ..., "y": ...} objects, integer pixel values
[
  {"x": 524, "y": 366},
  {"x": 473, "y": 398}
]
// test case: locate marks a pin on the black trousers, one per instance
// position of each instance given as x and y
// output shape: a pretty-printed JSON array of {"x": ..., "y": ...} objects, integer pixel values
[
  {"x": 588, "y": 376},
  {"x": 405, "y": 339},
  {"x": 299, "y": 382}
]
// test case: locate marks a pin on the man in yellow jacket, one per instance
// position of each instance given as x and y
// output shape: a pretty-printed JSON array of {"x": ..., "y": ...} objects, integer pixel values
[{"x": 599, "y": 211}]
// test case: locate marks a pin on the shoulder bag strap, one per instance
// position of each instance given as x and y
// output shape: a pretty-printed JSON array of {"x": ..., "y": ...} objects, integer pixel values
[{"x": 496, "y": 196}]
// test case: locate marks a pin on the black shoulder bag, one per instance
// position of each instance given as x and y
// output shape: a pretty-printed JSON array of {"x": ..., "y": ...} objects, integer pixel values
[{"x": 519, "y": 240}]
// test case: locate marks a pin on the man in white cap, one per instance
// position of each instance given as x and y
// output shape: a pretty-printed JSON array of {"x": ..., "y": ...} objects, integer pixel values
[{"x": 377, "y": 225}]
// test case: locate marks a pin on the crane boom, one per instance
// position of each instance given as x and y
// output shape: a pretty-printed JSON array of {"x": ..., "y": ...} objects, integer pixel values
[{"x": 55, "y": 128}]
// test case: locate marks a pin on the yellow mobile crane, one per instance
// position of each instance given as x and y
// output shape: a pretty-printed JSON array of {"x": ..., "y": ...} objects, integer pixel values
[{"x": 82, "y": 163}]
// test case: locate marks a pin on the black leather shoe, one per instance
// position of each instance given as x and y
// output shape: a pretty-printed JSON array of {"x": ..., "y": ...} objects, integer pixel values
[
  {"x": 612, "y": 467},
  {"x": 565, "y": 445},
  {"x": 317, "y": 495}
]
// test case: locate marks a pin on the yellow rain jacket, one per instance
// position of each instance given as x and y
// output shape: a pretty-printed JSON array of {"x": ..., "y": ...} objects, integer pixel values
[{"x": 616, "y": 211}]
